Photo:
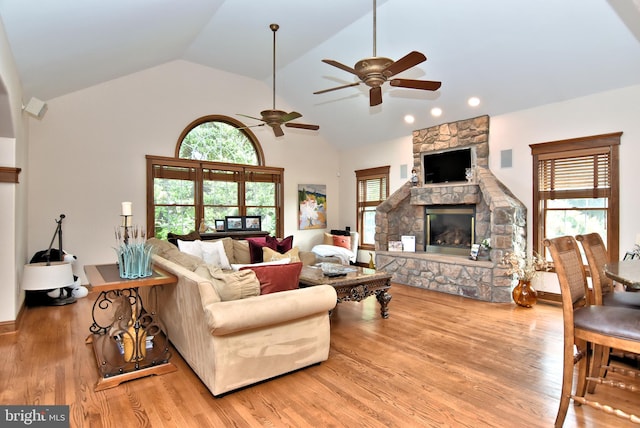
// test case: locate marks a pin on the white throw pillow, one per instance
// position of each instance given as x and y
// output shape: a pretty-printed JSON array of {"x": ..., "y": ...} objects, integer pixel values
[
  {"x": 238, "y": 266},
  {"x": 190, "y": 247},
  {"x": 213, "y": 254}
]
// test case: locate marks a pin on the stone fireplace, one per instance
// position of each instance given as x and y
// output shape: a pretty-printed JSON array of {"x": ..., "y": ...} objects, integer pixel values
[
  {"x": 485, "y": 209},
  {"x": 449, "y": 229}
]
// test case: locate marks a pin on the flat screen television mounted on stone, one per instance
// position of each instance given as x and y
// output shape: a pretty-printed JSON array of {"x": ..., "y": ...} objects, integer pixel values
[{"x": 446, "y": 167}]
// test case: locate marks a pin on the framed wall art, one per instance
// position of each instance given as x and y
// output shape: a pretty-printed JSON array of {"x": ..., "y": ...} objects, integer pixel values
[{"x": 312, "y": 203}]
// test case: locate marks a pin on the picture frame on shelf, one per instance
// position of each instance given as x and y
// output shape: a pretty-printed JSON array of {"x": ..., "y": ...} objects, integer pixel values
[
  {"x": 233, "y": 223},
  {"x": 252, "y": 222},
  {"x": 395, "y": 245},
  {"x": 220, "y": 226}
]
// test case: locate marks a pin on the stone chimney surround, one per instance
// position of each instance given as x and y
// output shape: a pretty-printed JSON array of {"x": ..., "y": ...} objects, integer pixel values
[{"x": 499, "y": 216}]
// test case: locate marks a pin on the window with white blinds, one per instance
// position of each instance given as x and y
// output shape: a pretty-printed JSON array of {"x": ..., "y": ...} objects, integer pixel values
[
  {"x": 574, "y": 173},
  {"x": 372, "y": 189},
  {"x": 576, "y": 189}
]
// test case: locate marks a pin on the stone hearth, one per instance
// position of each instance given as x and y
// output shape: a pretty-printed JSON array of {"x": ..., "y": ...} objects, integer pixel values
[{"x": 499, "y": 216}]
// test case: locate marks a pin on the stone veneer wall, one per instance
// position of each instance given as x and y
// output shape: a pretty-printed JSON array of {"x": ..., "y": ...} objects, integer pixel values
[{"x": 499, "y": 216}]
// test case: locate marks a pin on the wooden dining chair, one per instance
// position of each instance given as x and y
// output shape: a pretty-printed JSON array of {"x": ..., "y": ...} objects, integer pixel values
[
  {"x": 588, "y": 327},
  {"x": 603, "y": 293},
  {"x": 603, "y": 289}
]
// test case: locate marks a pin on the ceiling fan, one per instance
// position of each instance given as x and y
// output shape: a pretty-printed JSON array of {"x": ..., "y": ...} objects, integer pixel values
[
  {"x": 376, "y": 70},
  {"x": 276, "y": 118}
]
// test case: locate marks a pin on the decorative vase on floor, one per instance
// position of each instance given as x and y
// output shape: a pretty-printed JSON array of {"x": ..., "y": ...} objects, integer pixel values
[{"x": 524, "y": 294}]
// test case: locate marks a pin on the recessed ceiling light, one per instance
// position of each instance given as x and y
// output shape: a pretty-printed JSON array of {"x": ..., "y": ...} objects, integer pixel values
[
  {"x": 474, "y": 101},
  {"x": 409, "y": 118},
  {"x": 436, "y": 111}
]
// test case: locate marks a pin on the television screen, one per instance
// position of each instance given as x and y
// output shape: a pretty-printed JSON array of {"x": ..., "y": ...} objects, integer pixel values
[{"x": 446, "y": 166}]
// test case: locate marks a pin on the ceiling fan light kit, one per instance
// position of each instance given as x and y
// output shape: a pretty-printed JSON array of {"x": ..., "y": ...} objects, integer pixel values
[
  {"x": 276, "y": 118},
  {"x": 376, "y": 70}
]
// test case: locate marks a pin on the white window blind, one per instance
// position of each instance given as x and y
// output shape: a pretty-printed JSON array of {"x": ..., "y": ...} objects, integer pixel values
[{"x": 576, "y": 174}]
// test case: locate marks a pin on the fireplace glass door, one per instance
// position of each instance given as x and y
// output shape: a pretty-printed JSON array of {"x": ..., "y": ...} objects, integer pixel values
[{"x": 449, "y": 229}]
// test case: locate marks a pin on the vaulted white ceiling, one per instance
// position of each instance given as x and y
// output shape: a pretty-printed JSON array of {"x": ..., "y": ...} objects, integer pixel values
[{"x": 511, "y": 54}]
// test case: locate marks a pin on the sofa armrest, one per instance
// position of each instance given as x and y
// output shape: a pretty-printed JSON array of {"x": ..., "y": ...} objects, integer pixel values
[{"x": 269, "y": 309}]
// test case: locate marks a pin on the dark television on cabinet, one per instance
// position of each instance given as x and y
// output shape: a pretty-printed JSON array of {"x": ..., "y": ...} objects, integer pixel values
[{"x": 445, "y": 167}]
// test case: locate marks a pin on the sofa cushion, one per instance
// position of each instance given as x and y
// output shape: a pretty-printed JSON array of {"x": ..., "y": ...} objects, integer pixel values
[
  {"x": 190, "y": 247},
  {"x": 160, "y": 246},
  {"x": 269, "y": 255},
  {"x": 256, "y": 244},
  {"x": 191, "y": 236},
  {"x": 281, "y": 246},
  {"x": 231, "y": 285},
  {"x": 328, "y": 239},
  {"x": 185, "y": 260},
  {"x": 240, "y": 251},
  {"x": 213, "y": 253},
  {"x": 342, "y": 241},
  {"x": 255, "y": 249},
  {"x": 238, "y": 266},
  {"x": 277, "y": 278}
]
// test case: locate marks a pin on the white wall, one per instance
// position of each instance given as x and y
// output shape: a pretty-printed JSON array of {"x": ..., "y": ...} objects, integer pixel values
[
  {"x": 393, "y": 153},
  {"x": 88, "y": 154},
  {"x": 13, "y": 206},
  {"x": 613, "y": 111}
]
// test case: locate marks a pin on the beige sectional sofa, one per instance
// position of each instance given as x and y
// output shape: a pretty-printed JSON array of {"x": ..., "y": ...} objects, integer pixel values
[{"x": 235, "y": 343}]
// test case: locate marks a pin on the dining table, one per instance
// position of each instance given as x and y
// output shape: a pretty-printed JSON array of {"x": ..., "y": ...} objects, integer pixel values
[{"x": 626, "y": 272}]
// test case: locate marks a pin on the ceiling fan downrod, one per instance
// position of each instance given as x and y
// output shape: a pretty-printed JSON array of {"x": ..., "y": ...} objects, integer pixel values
[{"x": 274, "y": 28}]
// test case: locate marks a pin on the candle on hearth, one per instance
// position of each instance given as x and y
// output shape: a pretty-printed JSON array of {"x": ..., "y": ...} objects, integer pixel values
[{"x": 126, "y": 208}]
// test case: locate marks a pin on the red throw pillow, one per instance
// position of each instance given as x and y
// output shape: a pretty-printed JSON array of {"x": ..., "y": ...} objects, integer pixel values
[
  {"x": 342, "y": 241},
  {"x": 256, "y": 244},
  {"x": 255, "y": 249},
  {"x": 282, "y": 246},
  {"x": 274, "y": 278}
]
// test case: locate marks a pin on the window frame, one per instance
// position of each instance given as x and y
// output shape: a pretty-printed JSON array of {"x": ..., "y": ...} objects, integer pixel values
[
  {"x": 229, "y": 121},
  {"x": 202, "y": 170},
  {"x": 362, "y": 176},
  {"x": 241, "y": 174},
  {"x": 604, "y": 143}
]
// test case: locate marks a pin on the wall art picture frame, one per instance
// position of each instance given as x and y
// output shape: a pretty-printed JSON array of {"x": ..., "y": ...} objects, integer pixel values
[
  {"x": 252, "y": 222},
  {"x": 220, "y": 225},
  {"x": 232, "y": 223},
  {"x": 312, "y": 206}
]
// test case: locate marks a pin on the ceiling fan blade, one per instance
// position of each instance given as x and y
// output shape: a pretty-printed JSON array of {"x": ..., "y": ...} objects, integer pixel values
[
  {"x": 406, "y": 62},
  {"x": 252, "y": 126},
  {"x": 290, "y": 116},
  {"x": 341, "y": 66},
  {"x": 375, "y": 96},
  {"x": 302, "y": 126},
  {"x": 277, "y": 130},
  {"x": 336, "y": 88},
  {"x": 427, "y": 85},
  {"x": 250, "y": 117}
]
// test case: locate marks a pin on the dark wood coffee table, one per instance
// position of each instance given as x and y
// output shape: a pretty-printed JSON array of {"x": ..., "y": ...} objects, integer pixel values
[{"x": 358, "y": 284}]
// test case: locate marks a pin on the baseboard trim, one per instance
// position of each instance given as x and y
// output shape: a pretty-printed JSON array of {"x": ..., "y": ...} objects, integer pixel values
[{"x": 12, "y": 327}]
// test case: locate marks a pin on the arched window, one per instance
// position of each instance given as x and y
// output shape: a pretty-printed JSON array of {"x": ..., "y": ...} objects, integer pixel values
[
  {"x": 218, "y": 171},
  {"x": 219, "y": 139}
]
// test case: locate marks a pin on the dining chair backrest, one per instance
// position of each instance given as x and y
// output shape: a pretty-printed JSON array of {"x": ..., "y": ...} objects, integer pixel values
[
  {"x": 597, "y": 257},
  {"x": 572, "y": 276}
]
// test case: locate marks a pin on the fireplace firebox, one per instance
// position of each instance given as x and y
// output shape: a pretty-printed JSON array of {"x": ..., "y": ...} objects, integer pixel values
[{"x": 449, "y": 229}]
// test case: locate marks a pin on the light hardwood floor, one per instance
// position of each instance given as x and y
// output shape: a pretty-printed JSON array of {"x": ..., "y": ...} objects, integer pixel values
[{"x": 438, "y": 361}]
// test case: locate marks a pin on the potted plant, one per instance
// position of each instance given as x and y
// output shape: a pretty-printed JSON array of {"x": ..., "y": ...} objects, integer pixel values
[{"x": 524, "y": 268}]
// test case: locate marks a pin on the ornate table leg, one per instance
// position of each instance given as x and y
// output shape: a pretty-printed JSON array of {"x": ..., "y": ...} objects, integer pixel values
[{"x": 384, "y": 298}]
